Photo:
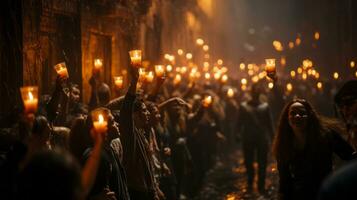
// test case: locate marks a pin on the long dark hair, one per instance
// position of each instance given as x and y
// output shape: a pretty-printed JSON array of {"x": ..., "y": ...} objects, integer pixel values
[{"x": 317, "y": 127}]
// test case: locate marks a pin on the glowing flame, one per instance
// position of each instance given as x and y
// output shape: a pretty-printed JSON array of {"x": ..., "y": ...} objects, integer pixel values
[
  {"x": 100, "y": 118},
  {"x": 30, "y": 96}
]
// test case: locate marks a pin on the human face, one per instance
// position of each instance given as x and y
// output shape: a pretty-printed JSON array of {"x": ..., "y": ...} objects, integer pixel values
[
  {"x": 75, "y": 94},
  {"x": 155, "y": 115},
  {"x": 298, "y": 116},
  {"x": 141, "y": 117}
]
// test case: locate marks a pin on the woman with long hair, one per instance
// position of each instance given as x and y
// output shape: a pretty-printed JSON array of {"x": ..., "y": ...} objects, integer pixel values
[{"x": 303, "y": 147}]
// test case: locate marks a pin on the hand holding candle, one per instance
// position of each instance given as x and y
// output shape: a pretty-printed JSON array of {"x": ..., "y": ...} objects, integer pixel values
[
  {"x": 207, "y": 101},
  {"x": 270, "y": 68},
  {"x": 29, "y": 96},
  {"x": 98, "y": 64},
  {"x": 159, "y": 70},
  {"x": 135, "y": 57},
  {"x": 61, "y": 70},
  {"x": 118, "y": 81}
]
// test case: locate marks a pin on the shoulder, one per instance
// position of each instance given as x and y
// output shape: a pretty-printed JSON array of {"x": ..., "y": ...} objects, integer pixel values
[{"x": 341, "y": 183}]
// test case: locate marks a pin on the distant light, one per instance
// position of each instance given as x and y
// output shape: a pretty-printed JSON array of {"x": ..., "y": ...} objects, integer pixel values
[
  {"x": 297, "y": 41},
  {"x": 319, "y": 85},
  {"x": 243, "y": 87},
  {"x": 169, "y": 68},
  {"x": 220, "y": 62},
  {"x": 180, "y": 52},
  {"x": 283, "y": 61},
  {"x": 291, "y": 45},
  {"x": 289, "y": 87},
  {"x": 242, "y": 66},
  {"x": 277, "y": 45},
  {"x": 356, "y": 74},
  {"x": 189, "y": 56},
  {"x": 335, "y": 75},
  {"x": 271, "y": 85},
  {"x": 299, "y": 70},
  {"x": 304, "y": 76},
  {"x": 293, "y": 74},
  {"x": 243, "y": 81},
  {"x": 205, "y": 47},
  {"x": 352, "y": 64},
  {"x": 317, "y": 35},
  {"x": 255, "y": 79},
  {"x": 207, "y": 75},
  {"x": 200, "y": 42}
]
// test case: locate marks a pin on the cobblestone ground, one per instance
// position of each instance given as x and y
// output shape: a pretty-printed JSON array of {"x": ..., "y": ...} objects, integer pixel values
[{"x": 227, "y": 181}]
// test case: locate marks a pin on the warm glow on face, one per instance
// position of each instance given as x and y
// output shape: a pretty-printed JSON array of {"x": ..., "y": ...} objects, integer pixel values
[{"x": 335, "y": 75}]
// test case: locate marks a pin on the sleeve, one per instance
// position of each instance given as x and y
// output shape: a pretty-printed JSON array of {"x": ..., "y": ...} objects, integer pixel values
[
  {"x": 126, "y": 126},
  {"x": 341, "y": 147}
]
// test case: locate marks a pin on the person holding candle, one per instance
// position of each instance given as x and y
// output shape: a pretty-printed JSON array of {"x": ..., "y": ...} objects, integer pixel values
[
  {"x": 91, "y": 140},
  {"x": 303, "y": 147},
  {"x": 137, "y": 161},
  {"x": 255, "y": 129}
]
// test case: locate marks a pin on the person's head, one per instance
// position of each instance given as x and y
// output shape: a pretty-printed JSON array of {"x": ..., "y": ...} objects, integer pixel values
[
  {"x": 41, "y": 130},
  {"x": 346, "y": 100},
  {"x": 50, "y": 175},
  {"x": 255, "y": 91},
  {"x": 140, "y": 114},
  {"x": 103, "y": 94},
  {"x": 155, "y": 116},
  {"x": 75, "y": 93},
  {"x": 297, "y": 117}
]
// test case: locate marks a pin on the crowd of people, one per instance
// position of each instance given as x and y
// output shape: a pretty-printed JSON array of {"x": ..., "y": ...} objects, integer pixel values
[{"x": 159, "y": 141}]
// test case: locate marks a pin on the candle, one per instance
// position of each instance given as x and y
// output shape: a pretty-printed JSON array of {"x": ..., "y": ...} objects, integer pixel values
[
  {"x": 118, "y": 81},
  {"x": 224, "y": 79},
  {"x": 98, "y": 64},
  {"x": 200, "y": 42},
  {"x": 169, "y": 68},
  {"x": 159, "y": 70},
  {"x": 135, "y": 56},
  {"x": 243, "y": 81},
  {"x": 242, "y": 66},
  {"x": 230, "y": 93},
  {"x": 61, "y": 69},
  {"x": 149, "y": 77},
  {"x": 205, "y": 47},
  {"x": 180, "y": 52},
  {"x": 177, "y": 79},
  {"x": 100, "y": 120},
  {"x": 270, "y": 66},
  {"x": 142, "y": 74},
  {"x": 352, "y": 64},
  {"x": 29, "y": 96},
  {"x": 335, "y": 75},
  {"x": 319, "y": 85},
  {"x": 289, "y": 87},
  {"x": 189, "y": 56},
  {"x": 207, "y": 75},
  {"x": 270, "y": 85},
  {"x": 292, "y": 74},
  {"x": 207, "y": 101}
]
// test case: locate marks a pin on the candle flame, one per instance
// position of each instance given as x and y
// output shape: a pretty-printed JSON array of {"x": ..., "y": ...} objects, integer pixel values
[
  {"x": 30, "y": 95},
  {"x": 100, "y": 118}
]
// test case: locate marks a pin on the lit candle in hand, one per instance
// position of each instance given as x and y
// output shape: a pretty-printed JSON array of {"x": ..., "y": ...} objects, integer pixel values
[
  {"x": 207, "y": 101},
  {"x": 135, "y": 56},
  {"x": 61, "y": 70},
  {"x": 100, "y": 117},
  {"x": 159, "y": 70},
  {"x": 270, "y": 67},
  {"x": 98, "y": 64},
  {"x": 118, "y": 81},
  {"x": 149, "y": 77},
  {"x": 230, "y": 93},
  {"x": 30, "y": 98}
]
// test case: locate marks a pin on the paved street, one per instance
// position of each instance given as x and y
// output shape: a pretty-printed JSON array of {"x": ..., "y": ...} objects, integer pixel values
[{"x": 227, "y": 181}]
